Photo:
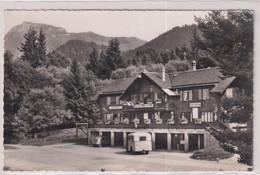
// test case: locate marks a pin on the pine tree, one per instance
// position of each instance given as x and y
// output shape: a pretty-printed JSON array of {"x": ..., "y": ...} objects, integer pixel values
[
  {"x": 30, "y": 48},
  {"x": 112, "y": 59},
  {"x": 94, "y": 62},
  {"x": 34, "y": 48},
  {"x": 228, "y": 40},
  {"x": 79, "y": 89},
  {"x": 41, "y": 48}
]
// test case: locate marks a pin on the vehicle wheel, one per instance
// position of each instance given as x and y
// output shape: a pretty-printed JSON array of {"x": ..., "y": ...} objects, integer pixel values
[{"x": 146, "y": 152}]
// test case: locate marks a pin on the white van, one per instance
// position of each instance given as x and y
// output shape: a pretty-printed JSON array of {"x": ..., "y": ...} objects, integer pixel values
[{"x": 139, "y": 142}]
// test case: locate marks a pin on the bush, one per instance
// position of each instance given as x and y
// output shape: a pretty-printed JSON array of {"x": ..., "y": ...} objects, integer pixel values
[
  {"x": 177, "y": 66},
  {"x": 212, "y": 154},
  {"x": 246, "y": 154}
]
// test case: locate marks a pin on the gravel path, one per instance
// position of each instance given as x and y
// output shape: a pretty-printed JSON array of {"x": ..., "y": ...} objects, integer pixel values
[{"x": 71, "y": 157}]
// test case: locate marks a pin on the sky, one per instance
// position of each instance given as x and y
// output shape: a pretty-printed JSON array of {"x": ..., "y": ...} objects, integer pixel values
[{"x": 145, "y": 25}]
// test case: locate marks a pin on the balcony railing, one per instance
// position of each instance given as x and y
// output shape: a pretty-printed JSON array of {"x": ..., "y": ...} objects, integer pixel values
[{"x": 169, "y": 124}]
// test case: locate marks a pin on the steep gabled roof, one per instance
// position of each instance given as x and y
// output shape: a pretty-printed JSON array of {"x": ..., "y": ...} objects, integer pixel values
[
  {"x": 157, "y": 79},
  {"x": 197, "y": 77},
  {"x": 209, "y": 76},
  {"x": 223, "y": 85},
  {"x": 117, "y": 86}
]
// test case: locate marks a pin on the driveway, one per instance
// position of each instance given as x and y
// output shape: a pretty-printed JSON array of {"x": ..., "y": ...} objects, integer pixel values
[{"x": 71, "y": 157}]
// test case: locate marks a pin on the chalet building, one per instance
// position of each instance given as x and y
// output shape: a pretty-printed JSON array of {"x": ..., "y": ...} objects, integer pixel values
[{"x": 177, "y": 109}]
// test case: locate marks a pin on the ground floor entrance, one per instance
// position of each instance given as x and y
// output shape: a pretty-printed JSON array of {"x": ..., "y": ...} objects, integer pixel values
[
  {"x": 177, "y": 142},
  {"x": 196, "y": 141},
  {"x": 186, "y": 140},
  {"x": 160, "y": 141},
  {"x": 119, "y": 139}
]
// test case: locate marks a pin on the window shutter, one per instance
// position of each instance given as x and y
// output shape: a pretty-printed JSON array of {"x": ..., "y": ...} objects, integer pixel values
[
  {"x": 108, "y": 101},
  {"x": 190, "y": 95},
  {"x": 199, "y": 94}
]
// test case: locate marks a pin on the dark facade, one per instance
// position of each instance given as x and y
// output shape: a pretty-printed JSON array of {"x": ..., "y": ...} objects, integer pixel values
[{"x": 175, "y": 108}]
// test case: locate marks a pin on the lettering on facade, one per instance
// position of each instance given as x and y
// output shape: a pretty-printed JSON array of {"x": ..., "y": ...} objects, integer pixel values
[
  {"x": 115, "y": 107},
  {"x": 195, "y": 105},
  {"x": 149, "y": 105}
]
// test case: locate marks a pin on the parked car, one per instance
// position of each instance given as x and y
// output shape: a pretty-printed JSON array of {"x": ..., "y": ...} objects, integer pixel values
[
  {"x": 139, "y": 142},
  {"x": 101, "y": 141}
]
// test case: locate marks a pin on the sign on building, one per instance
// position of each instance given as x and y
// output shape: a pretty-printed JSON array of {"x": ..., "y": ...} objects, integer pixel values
[{"x": 195, "y": 105}]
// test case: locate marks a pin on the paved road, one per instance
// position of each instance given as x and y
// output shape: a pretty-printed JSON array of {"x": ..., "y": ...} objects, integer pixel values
[{"x": 70, "y": 157}]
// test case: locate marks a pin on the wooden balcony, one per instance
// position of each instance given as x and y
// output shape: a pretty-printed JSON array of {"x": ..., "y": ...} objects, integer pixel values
[{"x": 153, "y": 125}]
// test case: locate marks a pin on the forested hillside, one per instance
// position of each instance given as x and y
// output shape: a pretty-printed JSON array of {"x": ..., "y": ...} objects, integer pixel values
[
  {"x": 79, "y": 50},
  {"x": 175, "y": 38}
]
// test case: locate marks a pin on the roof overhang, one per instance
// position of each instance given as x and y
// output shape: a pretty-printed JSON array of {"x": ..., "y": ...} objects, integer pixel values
[
  {"x": 170, "y": 92},
  {"x": 223, "y": 85}
]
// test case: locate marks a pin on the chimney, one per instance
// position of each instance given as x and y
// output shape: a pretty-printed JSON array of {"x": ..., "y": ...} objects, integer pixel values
[
  {"x": 193, "y": 65},
  {"x": 163, "y": 73}
]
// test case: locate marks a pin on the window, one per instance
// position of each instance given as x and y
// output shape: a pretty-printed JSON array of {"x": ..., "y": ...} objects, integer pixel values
[
  {"x": 180, "y": 95},
  {"x": 160, "y": 95},
  {"x": 108, "y": 100},
  {"x": 113, "y": 100},
  {"x": 145, "y": 116},
  {"x": 207, "y": 116},
  {"x": 199, "y": 94},
  {"x": 205, "y": 94},
  {"x": 132, "y": 97},
  {"x": 135, "y": 98},
  {"x": 117, "y": 100},
  {"x": 108, "y": 117},
  {"x": 155, "y": 96},
  {"x": 229, "y": 92},
  {"x": 141, "y": 97},
  {"x": 142, "y": 138},
  {"x": 187, "y": 95}
]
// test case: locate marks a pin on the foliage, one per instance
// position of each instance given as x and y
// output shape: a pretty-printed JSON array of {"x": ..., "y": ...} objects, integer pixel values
[
  {"x": 229, "y": 40},
  {"x": 41, "y": 47},
  {"x": 19, "y": 79},
  {"x": 128, "y": 72},
  {"x": 212, "y": 154},
  {"x": 57, "y": 60},
  {"x": 79, "y": 89},
  {"x": 56, "y": 74},
  {"x": 168, "y": 41},
  {"x": 177, "y": 66},
  {"x": 94, "y": 62},
  {"x": 112, "y": 59},
  {"x": 78, "y": 50},
  {"x": 228, "y": 37},
  {"x": 237, "y": 109},
  {"x": 154, "y": 67},
  {"x": 34, "y": 48},
  {"x": 41, "y": 109}
]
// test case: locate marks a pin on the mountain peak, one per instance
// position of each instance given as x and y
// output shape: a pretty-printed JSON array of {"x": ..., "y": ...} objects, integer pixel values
[{"x": 57, "y": 36}]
